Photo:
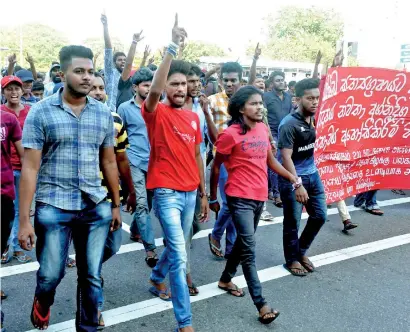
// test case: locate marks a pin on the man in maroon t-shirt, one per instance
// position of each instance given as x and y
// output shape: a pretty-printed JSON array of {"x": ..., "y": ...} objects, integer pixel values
[{"x": 10, "y": 134}]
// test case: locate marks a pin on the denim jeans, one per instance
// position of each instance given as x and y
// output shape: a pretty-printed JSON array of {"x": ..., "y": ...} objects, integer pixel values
[
  {"x": 112, "y": 245},
  {"x": 141, "y": 222},
  {"x": 293, "y": 246},
  {"x": 224, "y": 220},
  {"x": 273, "y": 179},
  {"x": 89, "y": 229},
  {"x": 368, "y": 198},
  {"x": 13, "y": 239},
  {"x": 245, "y": 215},
  {"x": 175, "y": 211}
]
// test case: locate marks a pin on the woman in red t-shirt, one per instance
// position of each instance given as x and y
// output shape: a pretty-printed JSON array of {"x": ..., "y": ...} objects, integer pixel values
[{"x": 245, "y": 149}]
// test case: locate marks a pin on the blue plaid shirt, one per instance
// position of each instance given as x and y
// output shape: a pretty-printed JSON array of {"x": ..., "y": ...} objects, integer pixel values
[{"x": 69, "y": 171}]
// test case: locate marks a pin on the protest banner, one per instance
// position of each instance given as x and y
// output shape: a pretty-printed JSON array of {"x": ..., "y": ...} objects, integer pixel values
[{"x": 363, "y": 131}]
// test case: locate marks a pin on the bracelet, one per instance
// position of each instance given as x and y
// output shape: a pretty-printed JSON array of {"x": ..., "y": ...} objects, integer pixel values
[
  {"x": 172, "y": 52},
  {"x": 172, "y": 44},
  {"x": 213, "y": 202},
  {"x": 297, "y": 185},
  {"x": 135, "y": 42}
]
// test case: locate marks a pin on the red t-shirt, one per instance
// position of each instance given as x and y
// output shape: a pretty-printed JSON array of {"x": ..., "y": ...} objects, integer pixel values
[
  {"x": 173, "y": 136},
  {"x": 10, "y": 132},
  {"x": 247, "y": 162},
  {"x": 15, "y": 160}
]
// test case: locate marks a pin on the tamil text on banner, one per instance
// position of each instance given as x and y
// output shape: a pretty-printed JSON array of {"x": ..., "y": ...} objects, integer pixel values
[{"x": 363, "y": 131}]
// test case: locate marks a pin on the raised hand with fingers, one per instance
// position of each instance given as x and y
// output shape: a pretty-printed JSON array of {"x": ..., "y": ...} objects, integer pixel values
[
  {"x": 104, "y": 20},
  {"x": 12, "y": 58},
  {"x": 338, "y": 59},
  {"x": 178, "y": 34},
  {"x": 151, "y": 60},
  {"x": 258, "y": 51},
  {"x": 137, "y": 37},
  {"x": 147, "y": 51},
  {"x": 29, "y": 58}
]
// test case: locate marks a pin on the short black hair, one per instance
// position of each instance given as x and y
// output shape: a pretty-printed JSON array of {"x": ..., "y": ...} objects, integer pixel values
[
  {"x": 180, "y": 67},
  {"x": 277, "y": 73},
  {"x": 237, "y": 102},
  {"x": 152, "y": 67},
  {"x": 142, "y": 75},
  {"x": 117, "y": 54},
  {"x": 98, "y": 74},
  {"x": 37, "y": 86},
  {"x": 195, "y": 71},
  {"x": 305, "y": 84},
  {"x": 232, "y": 67},
  {"x": 291, "y": 83},
  {"x": 67, "y": 53}
]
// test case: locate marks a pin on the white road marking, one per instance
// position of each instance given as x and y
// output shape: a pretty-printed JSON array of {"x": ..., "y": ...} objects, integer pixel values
[
  {"x": 130, "y": 247},
  {"x": 148, "y": 307}
]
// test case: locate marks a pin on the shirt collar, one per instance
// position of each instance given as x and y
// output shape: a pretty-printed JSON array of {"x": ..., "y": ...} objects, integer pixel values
[{"x": 57, "y": 99}]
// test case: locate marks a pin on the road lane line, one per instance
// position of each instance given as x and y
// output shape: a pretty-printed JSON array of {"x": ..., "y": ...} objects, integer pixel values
[
  {"x": 148, "y": 307},
  {"x": 130, "y": 247}
]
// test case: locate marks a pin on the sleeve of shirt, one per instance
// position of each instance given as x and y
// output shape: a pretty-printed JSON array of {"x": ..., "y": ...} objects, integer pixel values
[
  {"x": 109, "y": 135},
  {"x": 286, "y": 136},
  {"x": 150, "y": 117},
  {"x": 34, "y": 131},
  {"x": 212, "y": 104},
  {"x": 122, "y": 137},
  {"x": 198, "y": 135},
  {"x": 225, "y": 143},
  {"x": 15, "y": 133}
]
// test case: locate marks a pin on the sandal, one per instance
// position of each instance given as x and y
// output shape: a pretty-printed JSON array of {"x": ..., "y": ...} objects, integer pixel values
[
  {"x": 151, "y": 260},
  {"x": 162, "y": 294},
  {"x": 308, "y": 265},
  {"x": 217, "y": 252},
  {"x": 296, "y": 271},
  {"x": 267, "y": 320},
  {"x": 376, "y": 212},
  {"x": 231, "y": 290},
  {"x": 22, "y": 258},
  {"x": 45, "y": 321},
  {"x": 3, "y": 295},
  {"x": 193, "y": 291},
  {"x": 5, "y": 257},
  {"x": 101, "y": 323}
]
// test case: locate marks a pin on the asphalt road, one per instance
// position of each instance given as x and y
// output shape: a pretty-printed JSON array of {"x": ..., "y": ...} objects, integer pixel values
[{"x": 361, "y": 283}]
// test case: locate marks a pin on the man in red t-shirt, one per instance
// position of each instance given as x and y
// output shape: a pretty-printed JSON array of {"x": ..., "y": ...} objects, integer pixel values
[
  {"x": 175, "y": 172},
  {"x": 12, "y": 88},
  {"x": 10, "y": 136}
]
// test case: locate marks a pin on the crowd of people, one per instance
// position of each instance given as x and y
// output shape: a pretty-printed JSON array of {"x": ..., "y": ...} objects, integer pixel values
[{"x": 78, "y": 148}]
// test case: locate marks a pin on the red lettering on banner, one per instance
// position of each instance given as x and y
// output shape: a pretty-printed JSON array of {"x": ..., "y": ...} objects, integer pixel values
[{"x": 363, "y": 131}]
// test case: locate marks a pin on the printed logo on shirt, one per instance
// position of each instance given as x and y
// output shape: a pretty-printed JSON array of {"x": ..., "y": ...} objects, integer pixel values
[
  {"x": 185, "y": 137},
  {"x": 3, "y": 134},
  {"x": 256, "y": 146},
  {"x": 306, "y": 147},
  {"x": 302, "y": 129},
  {"x": 193, "y": 124}
]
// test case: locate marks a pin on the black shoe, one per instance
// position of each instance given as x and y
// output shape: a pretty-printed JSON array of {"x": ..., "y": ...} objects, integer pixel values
[{"x": 348, "y": 225}]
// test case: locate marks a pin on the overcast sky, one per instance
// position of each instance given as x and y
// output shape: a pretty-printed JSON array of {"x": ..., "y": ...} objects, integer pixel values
[{"x": 379, "y": 28}]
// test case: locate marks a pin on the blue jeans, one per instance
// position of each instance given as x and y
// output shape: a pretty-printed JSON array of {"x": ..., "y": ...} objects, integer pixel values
[
  {"x": 89, "y": 229},
  {"x": 13, "y": 239},
  {"x": 141, "y": 222},
  {"x": 293, "y": 246},
  {"x": 224, "y": 218},
  {"x": 175, "y": 211},
  {"x": 368, "y": 198},
  {"x": 245, "y": 215},
  {"x": 273, "y": 178}
]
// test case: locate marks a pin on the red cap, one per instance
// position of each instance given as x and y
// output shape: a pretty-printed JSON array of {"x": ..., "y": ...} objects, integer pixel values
[{"x": 6, "y": 80}]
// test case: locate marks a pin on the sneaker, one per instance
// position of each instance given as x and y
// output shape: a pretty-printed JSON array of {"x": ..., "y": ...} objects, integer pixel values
[{"x": 266, "y": 216}]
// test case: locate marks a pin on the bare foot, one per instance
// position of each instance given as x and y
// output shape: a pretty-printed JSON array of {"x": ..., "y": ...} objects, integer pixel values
[
  {"x": 267, "y": 315},
  {"x": 187, "y": 329}
]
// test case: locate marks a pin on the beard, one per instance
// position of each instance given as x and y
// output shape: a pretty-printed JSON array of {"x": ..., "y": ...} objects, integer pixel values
[
  {"x": 56, "y": 79},
  {"x": 76, "y": 93}
]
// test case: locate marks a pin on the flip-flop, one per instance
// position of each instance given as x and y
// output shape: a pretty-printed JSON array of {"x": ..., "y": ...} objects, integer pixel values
[
  {"x": 23, "y": 258},
  {"x": 5, "y": 257},
  {"x": 163, "y": 295},
  {"x": 101, "y": 323},
  {"x": 308, "y": 265},
  {"x": 293, "y": 270},
  {"x": 231, "y": 290},
  {"x": 269, "y": 319},
  {"x": 40, "y": 318},
  {"x": 193, "y": 290},
  {"x": 214, "y": 249}
]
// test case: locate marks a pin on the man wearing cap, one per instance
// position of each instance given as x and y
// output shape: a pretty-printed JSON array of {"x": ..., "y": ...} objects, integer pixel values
[
  {"x": 54, "y": 77},
  {"x": 12, "y": 88},
  {"x": 26, "y": 76}
]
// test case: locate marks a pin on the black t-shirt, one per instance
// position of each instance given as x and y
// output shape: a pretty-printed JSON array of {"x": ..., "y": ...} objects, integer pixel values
[
  {"x": 296, "y": 134},
  {"x": 125, "y": 91}
]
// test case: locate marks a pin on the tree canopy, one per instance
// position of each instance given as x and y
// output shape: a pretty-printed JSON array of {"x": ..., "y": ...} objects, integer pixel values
[
  {"x": 42, "y": 42},
  {"x": 296, "y": 34},
  {"x": 97, "y": 46},
  {"x": 195, "y": 49}
]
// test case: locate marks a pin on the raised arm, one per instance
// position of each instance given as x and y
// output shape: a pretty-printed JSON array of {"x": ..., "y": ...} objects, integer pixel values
[
  {"x": 30, "y": 60},
  {"x": 214, "y": 70},
  {"x": 212, "y": 130},
  {"x": 181, "y": 51},
  {"x": 136, "y": 38},
  {"x": 12, "y": 62},
  {"x": 160, "y": 78},
  {"x": 317, "y": 63},
  {"x": 107, "y": 39},
  {"x": 147, "y": 52},
  {"x": 252, "y": 73}
]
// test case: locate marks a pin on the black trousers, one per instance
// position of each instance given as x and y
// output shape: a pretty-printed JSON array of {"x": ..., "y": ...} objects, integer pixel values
[{"x": 7, "y": 218}]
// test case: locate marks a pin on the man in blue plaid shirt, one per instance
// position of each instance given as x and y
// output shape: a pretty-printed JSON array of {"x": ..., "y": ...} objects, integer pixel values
[{"x": 67, "y": 139}]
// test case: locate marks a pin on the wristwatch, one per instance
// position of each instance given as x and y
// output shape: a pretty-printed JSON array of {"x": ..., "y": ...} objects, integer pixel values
[{"x": 298, "y": 184}]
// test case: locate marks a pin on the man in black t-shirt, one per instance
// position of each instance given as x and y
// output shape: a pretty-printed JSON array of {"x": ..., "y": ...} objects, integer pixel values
[{"x": 296, "y": 142}]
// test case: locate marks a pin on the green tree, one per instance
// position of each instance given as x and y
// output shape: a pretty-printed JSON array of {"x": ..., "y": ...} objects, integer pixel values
[
  {"x": 195, "y": 49},
  {"x": 41, "y": 41},
  {"x": 97, "y": 46},
  {"x": 296, "y": 34}
]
